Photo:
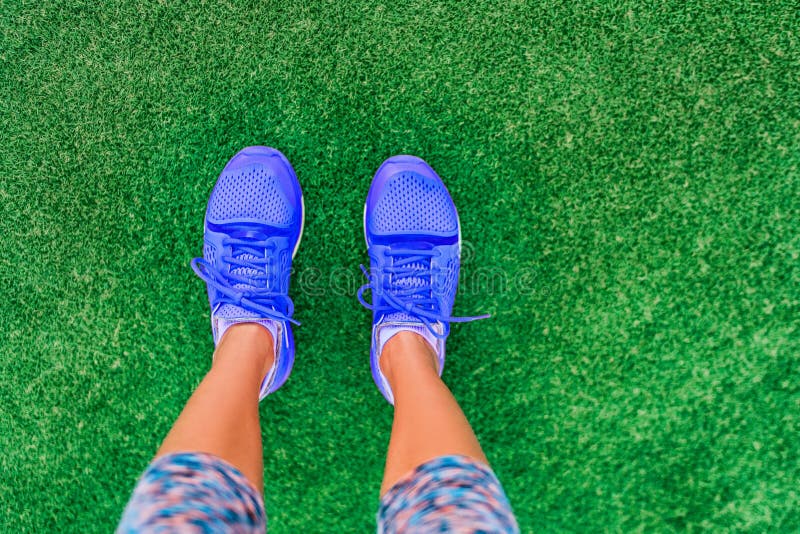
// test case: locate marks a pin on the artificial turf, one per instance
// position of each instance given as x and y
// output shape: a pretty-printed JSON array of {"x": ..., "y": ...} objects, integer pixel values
[{"x": 627, "y": 178}]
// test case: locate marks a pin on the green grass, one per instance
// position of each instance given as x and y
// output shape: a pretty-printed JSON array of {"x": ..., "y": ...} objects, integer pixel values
[{"x": 630, "y": 168}]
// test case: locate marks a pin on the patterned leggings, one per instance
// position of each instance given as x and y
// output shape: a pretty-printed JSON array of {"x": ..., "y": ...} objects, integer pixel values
[{"x": 194, "y": 492}]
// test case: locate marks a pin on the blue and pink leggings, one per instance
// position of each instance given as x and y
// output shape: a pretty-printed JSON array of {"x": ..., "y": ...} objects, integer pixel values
[{"x": 194, "y": 492}]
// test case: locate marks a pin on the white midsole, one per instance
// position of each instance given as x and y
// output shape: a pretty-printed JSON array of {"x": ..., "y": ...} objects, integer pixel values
[{"x": 302, "y": 224}]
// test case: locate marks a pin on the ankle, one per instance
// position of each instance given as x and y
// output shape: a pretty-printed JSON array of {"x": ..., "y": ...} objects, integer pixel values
[
  {"x": 407, "y": 352},
  {"x": 246, "y": 343}
]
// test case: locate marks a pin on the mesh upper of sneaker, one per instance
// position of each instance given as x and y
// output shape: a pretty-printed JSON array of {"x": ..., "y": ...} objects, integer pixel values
[
  {"x": 252, "y": 192},
  {"x": 398, "y": 208}
]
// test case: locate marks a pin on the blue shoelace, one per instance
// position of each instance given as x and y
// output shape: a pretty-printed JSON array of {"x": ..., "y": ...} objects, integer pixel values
[
  {"x": 257, "y": 298},
  {"x": 415, "y": 299}
]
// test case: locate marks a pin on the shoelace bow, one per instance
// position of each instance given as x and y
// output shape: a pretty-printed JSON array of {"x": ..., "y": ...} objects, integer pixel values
[
  {"x": 257, "y": 298},
  {"x": 415, "y": 299}
]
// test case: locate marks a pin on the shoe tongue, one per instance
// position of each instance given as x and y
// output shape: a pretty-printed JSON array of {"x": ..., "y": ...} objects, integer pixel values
[
  {"x": 411, "y": 281},
  {"x": 248, "y": 272},
  {"x": 402, "y": 317},
  {"x": 231, "y": 311}
]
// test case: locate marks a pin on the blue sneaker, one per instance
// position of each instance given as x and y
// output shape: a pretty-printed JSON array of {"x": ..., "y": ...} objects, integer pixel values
[
  {"x": 253, "y": 226},
  {"x": 414, "y": 244}
]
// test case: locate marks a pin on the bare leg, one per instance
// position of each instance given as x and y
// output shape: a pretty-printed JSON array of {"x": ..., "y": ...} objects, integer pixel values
[
  {"x": 427, "y": 419},
  {"x": 221, "y": 417}
]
